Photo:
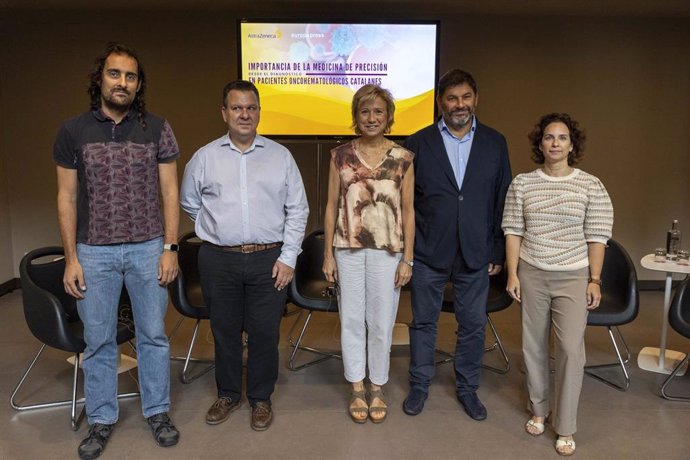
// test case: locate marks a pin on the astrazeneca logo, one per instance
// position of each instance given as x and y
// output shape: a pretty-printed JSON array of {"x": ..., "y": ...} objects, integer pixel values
[{"x": 274, "y": 35}]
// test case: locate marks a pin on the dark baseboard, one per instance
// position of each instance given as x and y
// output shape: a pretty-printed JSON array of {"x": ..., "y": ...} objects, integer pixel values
[{"x": 9, "y": 286}]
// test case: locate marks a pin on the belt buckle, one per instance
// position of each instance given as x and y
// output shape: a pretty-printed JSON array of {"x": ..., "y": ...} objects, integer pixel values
[{"x": 248, "y": 248}]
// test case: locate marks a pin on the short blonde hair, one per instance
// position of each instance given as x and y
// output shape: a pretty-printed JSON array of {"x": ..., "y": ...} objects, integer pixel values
[{"x": 368, "y": 93}]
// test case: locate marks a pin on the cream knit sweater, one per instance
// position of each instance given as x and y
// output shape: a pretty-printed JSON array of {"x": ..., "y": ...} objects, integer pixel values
[{"x": 556, "y": 218}]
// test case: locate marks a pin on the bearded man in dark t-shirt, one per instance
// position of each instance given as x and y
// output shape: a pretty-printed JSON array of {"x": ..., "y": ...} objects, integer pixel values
[{"x": 111, "y": 162}]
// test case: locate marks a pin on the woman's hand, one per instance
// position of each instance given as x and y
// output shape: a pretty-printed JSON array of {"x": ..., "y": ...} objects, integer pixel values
[
  {"x": 330, "y": 269},
  {"x": 513, "y": 287},
  {"x": 402, "y": 274},
  {"x": 593, "y": 296}
]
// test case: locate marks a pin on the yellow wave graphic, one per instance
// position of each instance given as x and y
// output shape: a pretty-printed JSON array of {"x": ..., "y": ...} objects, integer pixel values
[{"x": 309, "y": 113}]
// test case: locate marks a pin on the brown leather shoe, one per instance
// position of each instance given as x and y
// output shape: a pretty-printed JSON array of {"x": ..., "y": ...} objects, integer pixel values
[
  {"x": 262, "y": 415},
  {"x": 221, "y": 410}
]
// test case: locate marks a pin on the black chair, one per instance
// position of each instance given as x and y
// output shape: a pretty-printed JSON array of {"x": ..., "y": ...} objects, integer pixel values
[
  {"x": 310, "y": 291},
  {"x": 679, "y": 318},
  {"x": 52, "y": 317},
  {"x": 498, "y": 300},
  {"x": 619, "y": 305},
  {"x": 188, "y": 300}
]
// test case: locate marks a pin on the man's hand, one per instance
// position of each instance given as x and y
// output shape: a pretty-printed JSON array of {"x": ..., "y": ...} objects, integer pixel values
[
  {"x": 73, "y": 280},
  {"x": 494, "y": 269},
  {"x": 167, "y": 268},
  {"x": 282, "y": 274}
]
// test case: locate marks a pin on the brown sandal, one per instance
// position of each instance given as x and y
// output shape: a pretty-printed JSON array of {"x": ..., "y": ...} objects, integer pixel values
[
  {"x": 357, "y": 411},
  {"x": 379, "y": 409}
]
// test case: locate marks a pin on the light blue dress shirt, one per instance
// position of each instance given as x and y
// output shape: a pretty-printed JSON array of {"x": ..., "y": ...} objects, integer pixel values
[
  {"x": 242, "y": 198},
  {"x": 458, "y": 150}
]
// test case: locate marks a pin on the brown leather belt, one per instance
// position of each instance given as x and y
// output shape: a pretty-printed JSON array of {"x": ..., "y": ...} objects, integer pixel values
[{"x": 247, "y": 248}]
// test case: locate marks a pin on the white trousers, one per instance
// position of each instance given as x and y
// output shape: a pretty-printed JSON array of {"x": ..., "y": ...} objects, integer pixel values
[{"x": 368, "y": 305}]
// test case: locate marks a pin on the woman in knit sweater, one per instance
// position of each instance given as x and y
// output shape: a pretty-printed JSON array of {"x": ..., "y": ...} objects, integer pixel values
[{"x": 557, "y": 221}]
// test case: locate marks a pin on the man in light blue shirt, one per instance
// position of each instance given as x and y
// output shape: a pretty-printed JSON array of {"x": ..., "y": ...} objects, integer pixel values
[
  {"x": 246, "y": 197},
  {"x": 462, "y": 173}
]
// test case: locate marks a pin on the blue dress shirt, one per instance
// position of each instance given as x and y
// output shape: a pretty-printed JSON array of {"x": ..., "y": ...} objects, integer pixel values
[
  {"x": 458, "y": 150},
  {"x": 242, "y": 198}
]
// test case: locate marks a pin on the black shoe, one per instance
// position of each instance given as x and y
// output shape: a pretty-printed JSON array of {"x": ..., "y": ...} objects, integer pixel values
[
  {"x": 93, "y": 445},
  {"x": 164, "y": 432},
  {"x": 414, "y": 403},
  {"x": 472, "y": 405}
]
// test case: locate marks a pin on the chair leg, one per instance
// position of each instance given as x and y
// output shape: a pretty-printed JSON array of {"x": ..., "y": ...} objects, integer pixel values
[
  {"x": 296, "y": 347},
  {"x": 589, "y": 370},
  {"x": 75, "y": 419},
  {"x": 497, "y": 344},
  {"x": 662, "y": 390},
  {"x": 184, "y": 376},
  {"x": 46, "y": 405},
  {"x": 175, "y": 328}
]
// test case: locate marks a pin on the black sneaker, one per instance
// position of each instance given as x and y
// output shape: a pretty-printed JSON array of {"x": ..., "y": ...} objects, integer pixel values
[
  {"x": 94, "y": 444},
  {"x": 164, "y": 432}
]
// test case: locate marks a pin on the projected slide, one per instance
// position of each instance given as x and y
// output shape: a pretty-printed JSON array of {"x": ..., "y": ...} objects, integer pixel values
[{"x": 308, "y": 73}]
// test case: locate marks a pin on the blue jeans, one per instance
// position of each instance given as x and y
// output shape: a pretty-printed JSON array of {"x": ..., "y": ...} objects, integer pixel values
[{"x": 105, "y": 269}]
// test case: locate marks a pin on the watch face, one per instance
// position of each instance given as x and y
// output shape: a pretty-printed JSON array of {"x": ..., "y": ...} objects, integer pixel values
[{"x": 172, "y": 247}]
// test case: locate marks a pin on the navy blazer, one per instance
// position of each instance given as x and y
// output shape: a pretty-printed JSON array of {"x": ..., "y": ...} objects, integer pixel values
[{"x": 448, "y": 218}]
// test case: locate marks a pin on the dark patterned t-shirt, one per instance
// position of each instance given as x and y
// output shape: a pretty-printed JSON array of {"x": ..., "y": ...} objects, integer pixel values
[{"x": 117, "y": 169}]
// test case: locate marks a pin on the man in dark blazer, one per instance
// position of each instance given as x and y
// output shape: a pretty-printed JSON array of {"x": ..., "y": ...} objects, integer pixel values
[{"x": 462, "y": 173}]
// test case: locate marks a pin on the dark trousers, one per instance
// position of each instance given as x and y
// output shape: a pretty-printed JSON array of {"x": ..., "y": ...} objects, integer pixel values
[
  {"x": 241, "y": 296},
  {"x": 471, "y": 290}
]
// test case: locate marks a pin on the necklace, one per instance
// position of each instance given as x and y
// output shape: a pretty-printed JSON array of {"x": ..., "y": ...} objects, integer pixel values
[{"x": 375, "y": 154}]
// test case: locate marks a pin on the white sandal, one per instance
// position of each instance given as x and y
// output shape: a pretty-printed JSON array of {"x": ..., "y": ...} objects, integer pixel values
[
  {"x": 539, "y": 426},
  {"x": 565, "y": 443}
]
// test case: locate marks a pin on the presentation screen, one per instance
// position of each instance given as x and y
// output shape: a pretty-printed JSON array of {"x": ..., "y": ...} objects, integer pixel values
[{"x": 308, "y": 72}]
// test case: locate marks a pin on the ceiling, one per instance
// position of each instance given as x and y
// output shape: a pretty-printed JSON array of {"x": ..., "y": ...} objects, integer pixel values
[{"x": 639, "y": 8}]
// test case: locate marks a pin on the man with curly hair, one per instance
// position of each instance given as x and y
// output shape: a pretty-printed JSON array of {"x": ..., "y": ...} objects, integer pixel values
[{"x": 111, "y": 163}]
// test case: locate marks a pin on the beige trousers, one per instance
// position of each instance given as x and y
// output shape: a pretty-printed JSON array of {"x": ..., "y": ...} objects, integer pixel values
[{"x": 555, "y": 299}]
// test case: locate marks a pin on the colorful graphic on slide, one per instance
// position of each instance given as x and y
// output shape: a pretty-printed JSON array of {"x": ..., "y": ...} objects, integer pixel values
[{"x": 308, "y": 73}]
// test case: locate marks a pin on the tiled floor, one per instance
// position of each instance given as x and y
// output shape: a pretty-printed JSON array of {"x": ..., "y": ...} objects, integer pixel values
[{"x": 311, "y": 421}]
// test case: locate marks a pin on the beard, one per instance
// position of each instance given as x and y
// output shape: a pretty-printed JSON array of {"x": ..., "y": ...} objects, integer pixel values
[
  {"x": 117, "y": 101},
  {"x": 458, "y": 119}
]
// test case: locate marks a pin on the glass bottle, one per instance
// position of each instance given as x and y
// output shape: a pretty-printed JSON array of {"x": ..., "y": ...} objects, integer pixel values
[{"x": 673, "y": 241}]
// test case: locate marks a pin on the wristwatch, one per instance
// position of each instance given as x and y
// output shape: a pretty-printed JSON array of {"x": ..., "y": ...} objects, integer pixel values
[
  {"x": 172, "y": 247},
  {"x": 408, "y": 262},
  {"x": 595, "y": 281}
]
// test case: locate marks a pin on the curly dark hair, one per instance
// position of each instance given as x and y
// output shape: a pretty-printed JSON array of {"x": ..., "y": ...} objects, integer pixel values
[
  {"x": 96, "y": 78},
  {"x": 577, "y": 137}
]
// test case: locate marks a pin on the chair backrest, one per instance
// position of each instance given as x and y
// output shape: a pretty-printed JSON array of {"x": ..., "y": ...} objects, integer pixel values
[
  {"x": 619, "y": 293},
  {"x": 309, "y": 288},
  {"x": 499, "y": 299},
  {"x": 185, "y": 292},
  {"x": 679, "y": 312},
  {"x": 47, "y": 308}
]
